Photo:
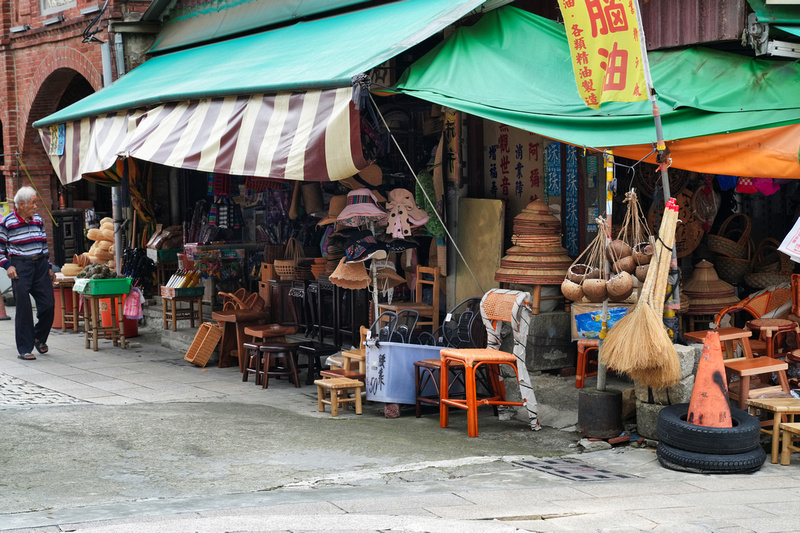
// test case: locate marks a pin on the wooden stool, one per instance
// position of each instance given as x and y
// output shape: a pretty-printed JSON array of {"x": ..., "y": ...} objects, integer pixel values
[
  {"x": 172, "y": 313},
  {"x": 746, "y": 368},
  {"x": 772, "y": 328},
  {"x": 586, "y": 347},
  {"x": 254, "y": 364},
  {"x": 93, "y": 323},
  {"x": 790, "y": 432},
  {"x": 779, "y": 407},
  {"x": 314, "y": 351},
  {"x": 332, "y": 386},
  {"x": 283, "y": 353},
  {"x": 427, "y": 371},
  {"x": 471, "y": 359}
]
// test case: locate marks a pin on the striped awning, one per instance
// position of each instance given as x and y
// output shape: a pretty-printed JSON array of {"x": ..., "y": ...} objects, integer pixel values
[{"x": 310, "y": 136}]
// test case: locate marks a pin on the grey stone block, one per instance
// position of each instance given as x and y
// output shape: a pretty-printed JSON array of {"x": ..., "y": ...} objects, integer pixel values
[
  {"x": 647, "y": 419},
  {"x": 678, "y": 393},
  {"x": 686, "y": 356}
]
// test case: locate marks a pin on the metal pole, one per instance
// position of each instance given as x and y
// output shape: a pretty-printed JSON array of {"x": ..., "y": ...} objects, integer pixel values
[{"x": 608, "y": 158}]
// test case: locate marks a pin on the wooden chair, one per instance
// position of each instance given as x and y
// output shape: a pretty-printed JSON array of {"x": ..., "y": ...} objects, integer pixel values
[
  {"x": 426, "y": 276},
  {"x": 757, "y": 306},
  {"x": 354, "y": 362}
]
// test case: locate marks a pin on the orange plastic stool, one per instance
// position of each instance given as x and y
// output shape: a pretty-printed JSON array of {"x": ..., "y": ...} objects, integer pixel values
[
  {"x": 586, "y": 347},
  {"x": 471, "y": 359}
]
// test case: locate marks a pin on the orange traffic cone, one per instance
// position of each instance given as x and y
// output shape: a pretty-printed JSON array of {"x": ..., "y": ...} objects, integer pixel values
[{"x": 709, "y": 405}]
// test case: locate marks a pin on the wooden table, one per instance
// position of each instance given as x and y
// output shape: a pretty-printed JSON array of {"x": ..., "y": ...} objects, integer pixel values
[
  {"x": 173, "y": 313},
  {"x": 233, "y": 336},
  {"x": 93, "y": 324},
  {"x": 779, "y": 407}
]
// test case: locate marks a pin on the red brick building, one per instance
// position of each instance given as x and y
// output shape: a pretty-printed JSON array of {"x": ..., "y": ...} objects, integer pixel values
[{"x": 51, "y": 55}]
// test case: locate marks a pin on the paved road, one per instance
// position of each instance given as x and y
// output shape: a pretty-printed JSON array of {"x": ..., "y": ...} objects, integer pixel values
[{"x": 139, "y": 440}]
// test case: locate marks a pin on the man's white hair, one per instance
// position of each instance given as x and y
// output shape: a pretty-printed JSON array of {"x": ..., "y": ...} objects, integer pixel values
[{"x": 24, "y": 195}]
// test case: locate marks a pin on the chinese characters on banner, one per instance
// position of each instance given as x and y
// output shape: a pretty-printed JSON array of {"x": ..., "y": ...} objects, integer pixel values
[
  {"x": 606, "y": 53},
  {"x": 450, "y": 160},
  {"x": 514, "y": 164},
  {"x": 571, "y": 203}
]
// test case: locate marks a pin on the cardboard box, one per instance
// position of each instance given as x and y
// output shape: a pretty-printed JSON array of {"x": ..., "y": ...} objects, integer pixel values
[
  {"x": 172, "y": 292},
  {"x": 586, "y": 318}
]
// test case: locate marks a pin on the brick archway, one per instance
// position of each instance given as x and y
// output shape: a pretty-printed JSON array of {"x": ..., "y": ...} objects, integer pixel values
[{"x": 49, "y": 83}]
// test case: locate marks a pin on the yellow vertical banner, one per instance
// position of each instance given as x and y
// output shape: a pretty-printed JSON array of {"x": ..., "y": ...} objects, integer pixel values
[{"x": 604, "y": 41}]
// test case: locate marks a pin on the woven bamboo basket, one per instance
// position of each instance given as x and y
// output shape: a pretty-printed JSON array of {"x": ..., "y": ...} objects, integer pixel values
[
  {"x": 723, "y": 244},
  {"x": 733, "y": 270},
  {"x": 762, "y": 280},
  {"x": 286, "y": 269},
  {"x": 767, "y": 258}
]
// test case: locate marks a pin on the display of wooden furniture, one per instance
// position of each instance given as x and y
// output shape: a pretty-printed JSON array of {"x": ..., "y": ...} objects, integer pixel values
[
  {"x": 314, "y": 352},
  {"x": 586, "y": 348},
  {"x": 426, "y": 276},
  {"x": 269, "y": 332},
  {"x": 279, "y": 361},
  {"x": 782, "y": 409},
  {"x": 172, "y": 311},
  {"x": 745, "y": 367},
  {"x": 330, "y": 391},
  {"x": 92, "y": 321},
  {"x": 790, "y": 432}
]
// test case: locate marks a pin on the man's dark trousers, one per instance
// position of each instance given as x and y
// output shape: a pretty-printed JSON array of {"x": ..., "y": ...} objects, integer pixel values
[{"x": 33, "y": 280}]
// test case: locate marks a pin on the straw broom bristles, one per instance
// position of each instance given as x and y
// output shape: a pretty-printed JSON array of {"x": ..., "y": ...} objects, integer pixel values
[{"x": 638, "y": 343}]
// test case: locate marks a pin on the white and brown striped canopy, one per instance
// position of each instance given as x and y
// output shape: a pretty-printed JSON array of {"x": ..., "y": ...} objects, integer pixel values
[{"x": 311, "y": 136}]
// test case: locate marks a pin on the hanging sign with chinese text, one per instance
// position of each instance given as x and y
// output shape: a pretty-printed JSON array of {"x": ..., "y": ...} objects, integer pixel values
[
  {"x": 514, "y": 165},
  {"x": 606, "y": 53}
]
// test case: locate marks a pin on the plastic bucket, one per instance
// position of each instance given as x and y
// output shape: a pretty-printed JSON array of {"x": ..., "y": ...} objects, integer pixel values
[
  {"x": 131, "y": 324},
  {"x": 390, "y": 371}
]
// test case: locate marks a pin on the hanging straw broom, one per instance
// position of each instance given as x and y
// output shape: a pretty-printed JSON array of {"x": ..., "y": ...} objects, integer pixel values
[{"x": 638, "y": 344}]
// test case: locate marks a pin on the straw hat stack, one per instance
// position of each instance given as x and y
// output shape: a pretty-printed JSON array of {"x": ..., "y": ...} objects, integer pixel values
[
  {"x": 707, "y": 293},
  {"x": 537, "y": 257}
]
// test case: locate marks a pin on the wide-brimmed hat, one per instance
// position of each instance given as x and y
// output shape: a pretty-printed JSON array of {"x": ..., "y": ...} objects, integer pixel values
[
  {"x": 363, "y": 245},
  {"x": 386, "y": 274},
  {"x": 350, "y": 275},
  {"x": 362, "y": 208},
  {"x": 404, "y": 215},
  {"x": 337, "y": 204}
]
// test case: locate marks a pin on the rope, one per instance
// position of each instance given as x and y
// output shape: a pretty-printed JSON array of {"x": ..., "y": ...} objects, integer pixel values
[{"x": 452, "y": 240}]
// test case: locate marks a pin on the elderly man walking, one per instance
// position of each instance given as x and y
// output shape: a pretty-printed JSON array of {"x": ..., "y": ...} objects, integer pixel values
[{"x": 25, "y": 256}]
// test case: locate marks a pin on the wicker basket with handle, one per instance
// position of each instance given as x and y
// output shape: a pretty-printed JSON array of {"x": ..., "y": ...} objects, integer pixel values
[
  {"x": 723, "y": 244},
  {"x": 767, "y": 257},
  {"x": 762, "y": 280},
  {"x": 732, "y": 269}
]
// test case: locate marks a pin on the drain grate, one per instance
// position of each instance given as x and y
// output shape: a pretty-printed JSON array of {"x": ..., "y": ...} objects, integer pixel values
[{"x": 572, "y": 469}]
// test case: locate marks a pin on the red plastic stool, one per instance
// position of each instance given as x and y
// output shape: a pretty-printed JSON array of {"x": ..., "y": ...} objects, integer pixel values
[{"x": 585, "y": 348}]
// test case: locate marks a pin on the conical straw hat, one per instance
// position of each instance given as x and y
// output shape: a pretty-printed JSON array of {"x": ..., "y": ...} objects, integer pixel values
[
  {"x": 705, "y": 281},
  {"x": 350, "y": 275}
]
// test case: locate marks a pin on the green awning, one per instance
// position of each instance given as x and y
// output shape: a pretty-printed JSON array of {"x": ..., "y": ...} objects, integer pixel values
[
  {"x": 514, "y": 68},
  {"x": 323, "y": 53},
  {"x": 775, "y": 13}
]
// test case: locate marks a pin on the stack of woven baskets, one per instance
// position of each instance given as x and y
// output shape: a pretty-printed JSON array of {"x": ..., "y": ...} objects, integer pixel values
[
  {"x": 732, "y": 248},
  {"x": 707, "y": 293},
  {"x": 537, "y": 257}
]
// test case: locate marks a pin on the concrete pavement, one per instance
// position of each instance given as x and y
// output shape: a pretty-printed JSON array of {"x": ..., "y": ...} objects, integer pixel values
[{"x": 139, "y": 440}]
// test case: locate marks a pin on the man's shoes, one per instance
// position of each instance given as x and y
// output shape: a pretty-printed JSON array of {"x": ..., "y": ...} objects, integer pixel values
[
  {"x": 41, "y": 347},
  {"x": 27, "y": 357}
]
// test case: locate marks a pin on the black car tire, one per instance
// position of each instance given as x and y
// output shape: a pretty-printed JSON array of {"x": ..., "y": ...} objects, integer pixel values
[
  {"x": 673, "y": 430},
  {"x": 709, "y": 463}
]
